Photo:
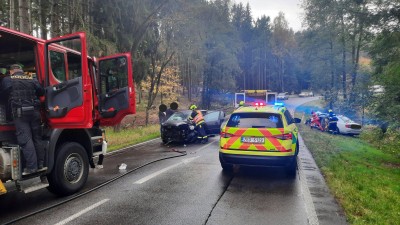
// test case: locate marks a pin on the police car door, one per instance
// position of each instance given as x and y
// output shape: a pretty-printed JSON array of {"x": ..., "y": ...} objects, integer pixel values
[
  {"x": 69, "y": 101},
  {"x": 116, "y": 89}
]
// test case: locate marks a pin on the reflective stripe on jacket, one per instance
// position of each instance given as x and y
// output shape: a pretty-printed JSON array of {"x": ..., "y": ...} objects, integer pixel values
[{"x": 198, "y": 119}]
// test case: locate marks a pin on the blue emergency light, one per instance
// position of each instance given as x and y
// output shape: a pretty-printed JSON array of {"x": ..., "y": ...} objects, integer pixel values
[{"x": 279, "y": 104}]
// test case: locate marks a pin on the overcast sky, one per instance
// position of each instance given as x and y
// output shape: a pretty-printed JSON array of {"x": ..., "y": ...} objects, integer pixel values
[{"x": 271, "y": 8}]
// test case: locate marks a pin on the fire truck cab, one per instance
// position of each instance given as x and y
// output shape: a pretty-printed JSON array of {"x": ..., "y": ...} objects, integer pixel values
[{"x": 82, "y": 94}]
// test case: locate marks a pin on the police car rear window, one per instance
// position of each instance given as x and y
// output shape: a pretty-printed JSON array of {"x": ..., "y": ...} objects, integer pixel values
[{"x": 255, "y": 120}]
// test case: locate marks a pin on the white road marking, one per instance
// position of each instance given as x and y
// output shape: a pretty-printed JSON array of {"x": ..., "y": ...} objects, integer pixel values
[
  {"x": 187, "y": 161},
  {"x": 131, "y": 146},
  {"x": 69, "y": 219},
  {"x": 144, "y": 179}
]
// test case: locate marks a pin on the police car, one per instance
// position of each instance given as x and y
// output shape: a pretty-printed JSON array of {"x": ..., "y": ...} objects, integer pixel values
[{"x": 260, "y": 135}]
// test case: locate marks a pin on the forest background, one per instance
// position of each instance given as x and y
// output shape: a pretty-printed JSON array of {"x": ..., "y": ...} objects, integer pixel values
[{"x": 203, "y": 51}]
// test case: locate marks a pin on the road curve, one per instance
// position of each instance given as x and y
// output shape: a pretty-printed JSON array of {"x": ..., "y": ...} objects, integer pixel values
[{"x": 187, "y": 190}]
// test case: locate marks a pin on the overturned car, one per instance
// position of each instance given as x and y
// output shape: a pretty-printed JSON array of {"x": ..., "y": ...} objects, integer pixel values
[{"x": 178, "y": 127}]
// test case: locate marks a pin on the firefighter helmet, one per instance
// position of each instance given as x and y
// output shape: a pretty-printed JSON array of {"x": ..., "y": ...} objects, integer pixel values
[{"x": 193, "y": 107}]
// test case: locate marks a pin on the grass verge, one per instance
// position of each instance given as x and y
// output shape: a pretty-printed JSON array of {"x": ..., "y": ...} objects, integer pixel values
[
  {"x": 365, "y": 180},
  {"x": 131, "y": 136}
]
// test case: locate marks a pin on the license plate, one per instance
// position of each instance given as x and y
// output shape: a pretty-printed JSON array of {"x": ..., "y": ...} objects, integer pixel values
[{"x": 253, "y": 140}]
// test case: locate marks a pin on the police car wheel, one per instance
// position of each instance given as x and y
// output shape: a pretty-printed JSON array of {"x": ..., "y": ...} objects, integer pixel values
[
  {"x": 227, "y": 167},
  {"x": 70, "y": 171},
  {"x": 292, "y": 169}
]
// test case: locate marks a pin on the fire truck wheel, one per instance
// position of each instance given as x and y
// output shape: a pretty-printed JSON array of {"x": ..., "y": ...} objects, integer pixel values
[{"x": 70, "y": 171}]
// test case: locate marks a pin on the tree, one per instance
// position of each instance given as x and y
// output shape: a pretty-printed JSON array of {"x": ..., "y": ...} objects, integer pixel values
[
  {"x": 282, "y": 45},
  {"x": 221, "y": 48},
  {"x": 159, "y": 53}
]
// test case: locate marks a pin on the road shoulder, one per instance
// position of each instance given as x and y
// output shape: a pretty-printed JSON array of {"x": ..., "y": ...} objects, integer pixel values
[{"x": 327, "y": 210}]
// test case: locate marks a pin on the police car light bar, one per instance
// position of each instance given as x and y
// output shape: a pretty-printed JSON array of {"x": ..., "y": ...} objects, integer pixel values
[
  {"x": 279, "y": 103},
  {"x": 259, "y": 104}
]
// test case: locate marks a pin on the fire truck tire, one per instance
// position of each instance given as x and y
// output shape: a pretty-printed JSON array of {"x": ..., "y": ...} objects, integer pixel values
[{"x": 71, "y": 169}]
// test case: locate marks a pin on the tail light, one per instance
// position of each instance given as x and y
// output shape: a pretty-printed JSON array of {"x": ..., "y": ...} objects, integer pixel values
[
  {"x": 347, "y": 126},
  {"x": 226, "y": 135},
  {"x": 288, "y": 136}
]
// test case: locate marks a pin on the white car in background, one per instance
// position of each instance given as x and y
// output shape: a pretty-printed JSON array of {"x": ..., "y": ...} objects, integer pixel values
[
  {"x": 306, "y": 94},
  {"x": 282, "y": 96},
  {"x": 348, "y": 126}
]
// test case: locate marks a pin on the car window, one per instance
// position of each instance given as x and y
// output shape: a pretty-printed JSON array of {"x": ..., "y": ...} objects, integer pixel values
[
  {"x": 255, "y": 120},
  {"x": 179, "y": 116},
  {"x": 213, "y": 116},
  {"x": 345, "y": 119},
  {"x": 288, "y": 116}
]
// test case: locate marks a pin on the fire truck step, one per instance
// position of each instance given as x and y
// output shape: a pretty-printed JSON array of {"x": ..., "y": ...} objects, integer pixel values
[
  {"x": 35, "y": 187},
  {"x": 31, "y": 185},
  {"x": 35, "y": 174}
]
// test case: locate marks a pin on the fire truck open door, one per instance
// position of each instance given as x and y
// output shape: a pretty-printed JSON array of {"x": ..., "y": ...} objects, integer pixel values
[
  {"x": 69, "y": 101},
  {"x": 117, "y": 94}
]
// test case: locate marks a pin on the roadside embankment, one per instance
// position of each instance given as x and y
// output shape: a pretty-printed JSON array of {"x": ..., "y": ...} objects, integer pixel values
[{"x": 363, "y": 179}]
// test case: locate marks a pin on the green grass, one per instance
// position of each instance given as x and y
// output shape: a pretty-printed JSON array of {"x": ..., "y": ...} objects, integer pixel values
[
  {"x": 365, "y": 180},
  {"x": 130, "y": 136}
]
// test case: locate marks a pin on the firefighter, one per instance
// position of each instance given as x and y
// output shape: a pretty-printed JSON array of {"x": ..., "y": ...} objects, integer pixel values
[
  {"x": 198, "y": 119},
  {"x": 332, "y": 127},
  {"x": 241, "y": 104},
  {"x": 23, "y": 92}
]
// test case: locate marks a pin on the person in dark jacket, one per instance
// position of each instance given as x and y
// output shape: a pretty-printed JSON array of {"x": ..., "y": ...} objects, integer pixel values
[
  {"x": 161, "y": 115},
  {"x": 23, "y": 94},
  {"x": 173, "y": 107},
  {"x": 332, "y": 127}
]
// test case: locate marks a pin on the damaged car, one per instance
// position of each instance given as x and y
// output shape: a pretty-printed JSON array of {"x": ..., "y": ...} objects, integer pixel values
[{"x": 178, "y": 128}]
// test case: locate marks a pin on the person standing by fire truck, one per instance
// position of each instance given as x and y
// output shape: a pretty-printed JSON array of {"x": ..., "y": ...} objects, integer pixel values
[
  {"x": 23, "y": 92},
  {"x": 198, "y": 119}
]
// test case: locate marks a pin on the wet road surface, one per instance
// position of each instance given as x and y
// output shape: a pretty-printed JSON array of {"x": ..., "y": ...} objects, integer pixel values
[{"x": 191, "y": 189}]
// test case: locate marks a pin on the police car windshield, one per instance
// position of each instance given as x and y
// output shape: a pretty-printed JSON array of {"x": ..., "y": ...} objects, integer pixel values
[
  {"x": 180, "y": 116},
  {"x": 255, "y": 120}
]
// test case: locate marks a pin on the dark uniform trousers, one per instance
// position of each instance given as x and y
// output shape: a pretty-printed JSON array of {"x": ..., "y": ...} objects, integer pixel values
[
  {"x": 202, "y": 133},
  {"x": 29, "y": 138}
]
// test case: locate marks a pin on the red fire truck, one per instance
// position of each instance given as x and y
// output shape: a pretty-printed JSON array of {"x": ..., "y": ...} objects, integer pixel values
[{"x": 82, "y": 94}]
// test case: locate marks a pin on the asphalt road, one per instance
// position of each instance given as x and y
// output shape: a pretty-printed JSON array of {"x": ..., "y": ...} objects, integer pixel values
[{"x": 191, "y": 189}]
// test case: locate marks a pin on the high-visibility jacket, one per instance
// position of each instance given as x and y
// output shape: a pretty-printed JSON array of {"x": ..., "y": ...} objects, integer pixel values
[{"x": 197, "y": 117}]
